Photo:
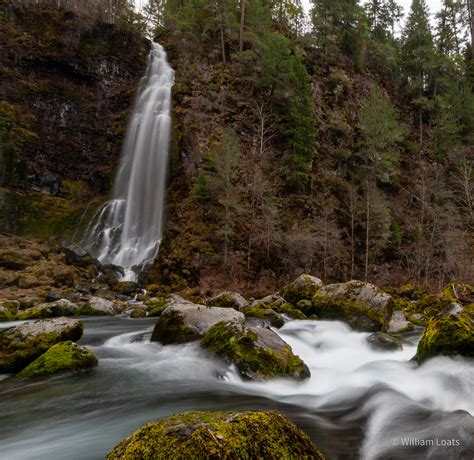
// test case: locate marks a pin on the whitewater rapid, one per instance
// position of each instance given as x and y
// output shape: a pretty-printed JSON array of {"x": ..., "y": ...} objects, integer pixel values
[
  {"x": 358, "y": 403},
  {"x": 126, "y": 231}
]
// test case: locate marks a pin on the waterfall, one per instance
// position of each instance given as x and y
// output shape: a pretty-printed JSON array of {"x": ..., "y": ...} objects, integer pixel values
[{"x": 126, "y": 231}]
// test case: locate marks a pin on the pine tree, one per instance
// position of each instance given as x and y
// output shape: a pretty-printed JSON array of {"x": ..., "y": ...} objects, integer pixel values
[{"x": 418, "y": 57}]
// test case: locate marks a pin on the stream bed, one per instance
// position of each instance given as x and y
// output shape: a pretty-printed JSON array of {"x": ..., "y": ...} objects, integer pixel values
[{"x": 358, "y": 403}]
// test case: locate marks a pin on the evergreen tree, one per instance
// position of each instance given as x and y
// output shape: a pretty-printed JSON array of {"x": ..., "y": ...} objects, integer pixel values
[{"x": 418, "y": 58}]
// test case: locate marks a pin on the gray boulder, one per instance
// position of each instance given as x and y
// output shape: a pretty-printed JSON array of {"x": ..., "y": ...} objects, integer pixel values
[
  {"x": 398, "y": 323},
  {"x": 99, "y": 306},
  {"x": 362, "y": 305},
  {"x": 183, "y": 321},
  {"x": 303, "y": 288},
  {"x": 384, "y": 342},
  {"x": 20, "y": 345}
]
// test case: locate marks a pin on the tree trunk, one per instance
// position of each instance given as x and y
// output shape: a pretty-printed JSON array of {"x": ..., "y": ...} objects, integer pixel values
[
  {"x": 367, "y": 231},
  {"x": 242, "y": 22},
  {"x": 470, "y": 14}
]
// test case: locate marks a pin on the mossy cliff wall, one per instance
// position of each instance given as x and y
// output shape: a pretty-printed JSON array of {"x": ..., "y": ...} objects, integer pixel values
[{"x": 67, "y": 86}]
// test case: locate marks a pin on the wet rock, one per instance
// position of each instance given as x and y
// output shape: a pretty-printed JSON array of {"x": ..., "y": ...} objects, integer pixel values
[
  {"x": 61, "y": 307},
  {"x": 266, "y": 315},
  {"x": 384, "y": 342},
  {"x": 450, "y": 333},
  {"x": 77, "y": 256},
  {"x": 62, "y": 357},
  {"x": 99, "y": 306},
  {"x": 20, "y": 345},
  {"x": 127, "y": 288},
  {"x": 228, "y": 299},
  {"x": 227, "y": 435},
  {"x": 138, "y": 313},
  {"x": 303, "y": 288},
  {"x": 183, "y": 321},
  {"x": 363, "y": 306},
  {"x": 52, "y": 296},
  {"x": 110, "y": 274},
  {"x": 398, "y": 323},
  {"x": 257, "y": 352}
]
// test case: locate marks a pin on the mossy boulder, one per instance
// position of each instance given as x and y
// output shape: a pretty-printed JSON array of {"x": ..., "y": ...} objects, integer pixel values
[
  {"x": 257, "y": 352},
  {"x": 8, "y": 310},
  {"x": 138, "y": 313},
  {"x": 218, "y": 435},
  {"x": 384, "y": 342},
  {"x": 450, "y": 333},
  {"x": 183, "y": 321},
  {"x": 267, "y": 315},
  {"x": 20, "y": 345},
  {"x": 362, "y": 305},
  {"x": 228, "y": 299},
  {"x": 279, "y": 305},
  {"x": 303, "y": 288},
  {"x": 77, "y": 256},
  {"x": 127, "y": 288},
  {"x": 156, "y": 306},
  {"x": 62, "y": 357},
  {"x": 62, "y": 307}
]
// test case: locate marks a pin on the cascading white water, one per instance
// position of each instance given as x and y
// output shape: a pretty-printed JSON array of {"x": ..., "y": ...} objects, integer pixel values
[{"x": 126, "y": 231}]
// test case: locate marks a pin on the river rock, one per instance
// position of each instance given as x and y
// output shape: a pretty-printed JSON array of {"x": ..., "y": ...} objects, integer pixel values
[
  {"x": 384, "y": 342},
  {"x": 127, "y": 288},
  {"x": 398, "y": 323},
  {"x": 279, "y": 305},
  {"x": 183, "y": 321},
  {"x": 22, "y": 344},
  {"x": 266, "y": 315},
  {"x": 303, "y": 288},
  {"x": 62, "y": 357},
  {"x": 450, "y": 333},
  {"x": 62, "y": 307},
  {"x": 257, "y": 352},
  {"x": 362, "y": 305},
  {"x": 77, "y": 256},
  {"x": 228, "y": 299},
  {"x": 218, "y": 435},
  {"x": 99, "y": 306}
]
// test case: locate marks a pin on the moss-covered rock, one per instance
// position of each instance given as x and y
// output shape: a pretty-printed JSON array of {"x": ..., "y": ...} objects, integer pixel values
[
  {"x": 8, "y": 310},
  {"x": 62, "y": 357},
  {"x": 450, "y": 333},
  {"x": 303, "y": 288},
  {"x": 257, "y": 352},
  {"x": 183, "y": 321},
  {"x": 127, "y": 288},
  {"x": 62, "y": 307},
  {"x": 138, "y": 313},
  {"x": 20, "y": 345},
  {"x": 156, "y": 306},
  {"x": 362, "y": 305},
  {"x": 266, "y": 314},
  {"x": 228, "y": 299},
  {"x": 218, "y": 435}
]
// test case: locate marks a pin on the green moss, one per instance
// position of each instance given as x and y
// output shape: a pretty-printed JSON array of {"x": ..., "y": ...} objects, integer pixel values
[
  {"x": 447, "y": 335},
  {"x": 355, "y": 313},
  {"x": 16, "y": 354},
  {"x": 171, "y": 329},
  {"x": 303, "y": 288},
  {"x": 218, "y": 435},
  {"x": 261, "y": 311},
  {"x": 239, "y": 345},
  {"x": 138, "y": 314},
  {"x": 62, "y": 357},
  {"x": 87, "y": 310}
]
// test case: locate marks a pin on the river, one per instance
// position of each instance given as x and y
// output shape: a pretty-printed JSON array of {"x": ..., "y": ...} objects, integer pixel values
[{"x": 358, "y": 403}]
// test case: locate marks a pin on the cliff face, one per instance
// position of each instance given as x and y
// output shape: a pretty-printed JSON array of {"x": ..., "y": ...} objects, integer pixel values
[{"x": 67, "y": 86}]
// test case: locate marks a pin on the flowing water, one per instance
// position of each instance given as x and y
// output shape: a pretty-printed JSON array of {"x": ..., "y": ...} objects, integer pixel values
[
  {"x": 358, "y": 403},
  {"x": 126, "y": 231}
]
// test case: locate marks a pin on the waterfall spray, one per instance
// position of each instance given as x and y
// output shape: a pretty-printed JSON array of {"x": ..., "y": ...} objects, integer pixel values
[{"x": 126, "y": 231}]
